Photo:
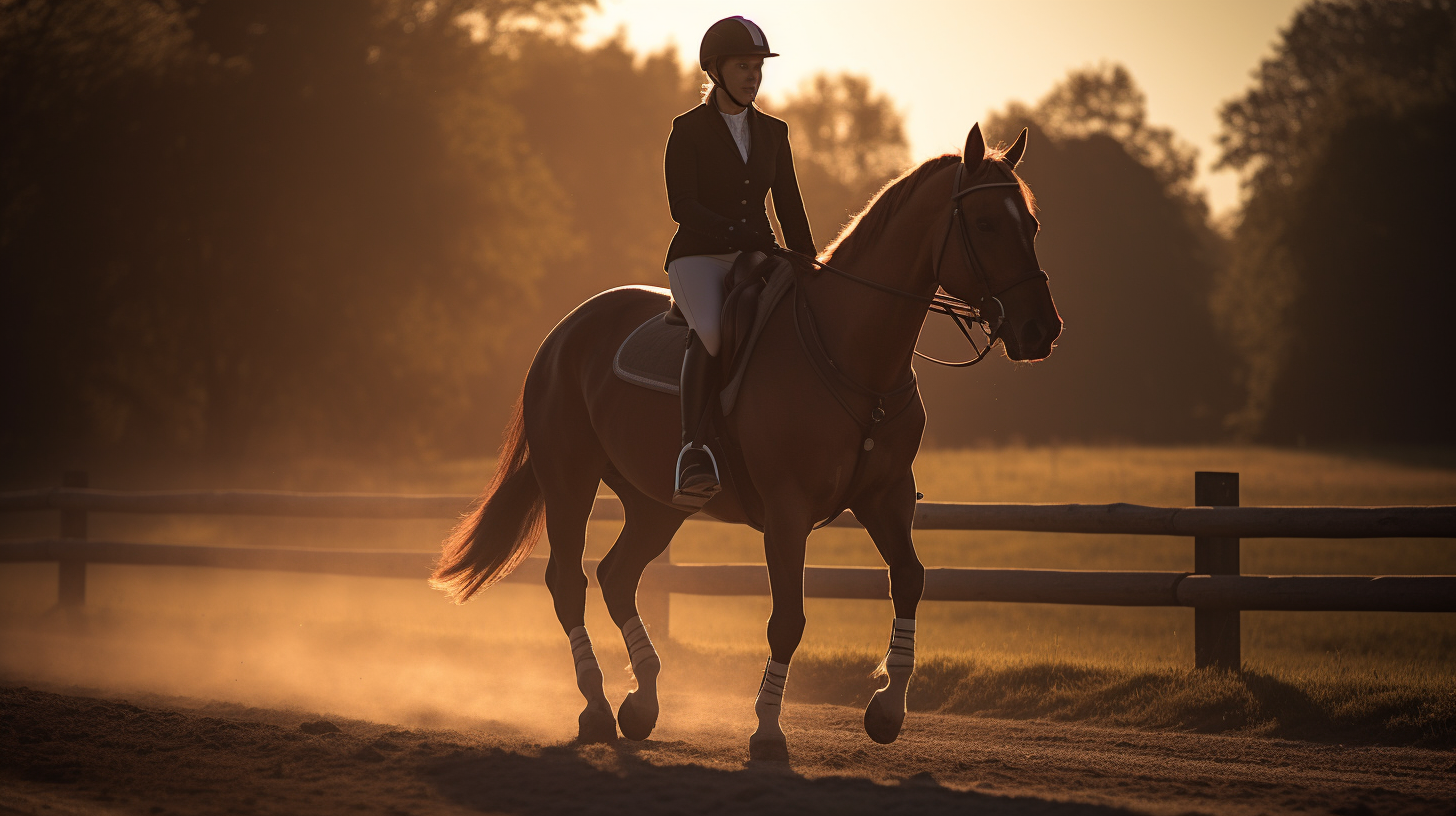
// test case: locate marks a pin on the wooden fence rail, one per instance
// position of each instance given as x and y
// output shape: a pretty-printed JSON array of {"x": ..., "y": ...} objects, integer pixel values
[
  {"x": 1329, "y": 593},
  {"x": 1109, "y": 519},
  {"x": 1215, "y": 589}
]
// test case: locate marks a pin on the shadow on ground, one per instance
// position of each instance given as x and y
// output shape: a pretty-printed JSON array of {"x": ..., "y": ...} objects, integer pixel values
[{"x": 616, "y": 779}]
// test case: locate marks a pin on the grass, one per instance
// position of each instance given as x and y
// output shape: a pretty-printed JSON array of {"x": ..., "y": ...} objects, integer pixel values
[
  {"x": 1354, "y": 677},
  {"x": 1404, "y": 708}
]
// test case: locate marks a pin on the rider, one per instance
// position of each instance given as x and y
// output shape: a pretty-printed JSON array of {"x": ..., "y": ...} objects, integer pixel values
[{"x": 723, "y": 158}]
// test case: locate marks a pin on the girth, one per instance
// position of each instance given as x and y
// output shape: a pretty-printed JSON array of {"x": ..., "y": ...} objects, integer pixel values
[{"x": 885, "y": 406}]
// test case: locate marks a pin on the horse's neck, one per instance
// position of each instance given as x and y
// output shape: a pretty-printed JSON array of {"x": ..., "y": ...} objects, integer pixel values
[{"x": 871, "y": 334}]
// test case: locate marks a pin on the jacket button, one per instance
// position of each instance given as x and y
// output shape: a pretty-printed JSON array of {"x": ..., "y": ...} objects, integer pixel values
[
  {"x": 744, "y": 201},
  {"x": 745, "y": 181},
  {"x": 743, "y": 220},
  {"x": 730, "y": 229}
]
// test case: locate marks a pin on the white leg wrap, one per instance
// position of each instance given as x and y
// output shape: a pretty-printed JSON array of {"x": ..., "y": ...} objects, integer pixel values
[
  {"x": 771, "y": 695},
  {"x": 899, "y": 662},
  {"x": 588, "y": 673},
  {"x": 645, "y": 662}
]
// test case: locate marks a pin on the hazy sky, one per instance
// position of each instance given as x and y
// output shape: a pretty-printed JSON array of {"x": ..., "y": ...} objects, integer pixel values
[{"x": 947, "y": 62}]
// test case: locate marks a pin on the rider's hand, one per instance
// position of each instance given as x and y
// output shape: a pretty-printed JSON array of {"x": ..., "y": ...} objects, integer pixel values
[{"x": 763, "y": 242}]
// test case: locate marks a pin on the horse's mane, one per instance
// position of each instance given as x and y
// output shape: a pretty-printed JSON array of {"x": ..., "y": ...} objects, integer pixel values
[{"x": 870, "y": 221}]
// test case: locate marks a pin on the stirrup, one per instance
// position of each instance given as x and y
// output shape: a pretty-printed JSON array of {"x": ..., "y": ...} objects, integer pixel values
[{"x": 697, "y": 495}]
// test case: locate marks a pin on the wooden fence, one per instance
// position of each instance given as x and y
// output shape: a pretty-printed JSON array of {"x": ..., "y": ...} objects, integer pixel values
[{"x": 1214, "y": 587}]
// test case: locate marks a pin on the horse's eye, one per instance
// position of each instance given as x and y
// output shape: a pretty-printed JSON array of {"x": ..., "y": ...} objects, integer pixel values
[{"x": 985, "y": 225}]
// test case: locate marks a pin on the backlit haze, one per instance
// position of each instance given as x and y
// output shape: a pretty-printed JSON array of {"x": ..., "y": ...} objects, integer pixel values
[{"x": 946, "y": 63}]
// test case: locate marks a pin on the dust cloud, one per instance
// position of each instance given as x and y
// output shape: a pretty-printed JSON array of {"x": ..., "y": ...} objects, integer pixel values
[{"x": 382, "y": 650}]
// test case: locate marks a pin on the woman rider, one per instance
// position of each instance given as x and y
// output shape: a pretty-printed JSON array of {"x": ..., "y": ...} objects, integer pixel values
[{"x": 723, "y": 158}]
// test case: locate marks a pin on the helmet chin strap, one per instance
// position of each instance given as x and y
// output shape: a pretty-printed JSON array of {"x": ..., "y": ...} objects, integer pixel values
[{"x": 717, "y": 86}]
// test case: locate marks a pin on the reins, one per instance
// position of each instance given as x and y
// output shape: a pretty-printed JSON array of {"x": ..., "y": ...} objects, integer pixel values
[
  {"x": 824, "y": 366},
  {"x": 961, "y": 312}
]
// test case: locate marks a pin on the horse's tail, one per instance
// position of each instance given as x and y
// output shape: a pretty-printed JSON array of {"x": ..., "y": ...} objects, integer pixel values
[{"x": 505, "y": 525}]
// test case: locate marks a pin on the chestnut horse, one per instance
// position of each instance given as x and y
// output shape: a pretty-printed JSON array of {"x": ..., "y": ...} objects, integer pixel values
[{"x": 811, "y": 444}]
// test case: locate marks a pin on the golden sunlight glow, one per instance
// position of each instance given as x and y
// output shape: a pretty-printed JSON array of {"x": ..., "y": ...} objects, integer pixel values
[{"x": 947, "y": 62}]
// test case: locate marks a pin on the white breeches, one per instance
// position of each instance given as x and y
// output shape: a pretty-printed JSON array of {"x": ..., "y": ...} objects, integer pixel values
[{"x": 697, "y": 286}]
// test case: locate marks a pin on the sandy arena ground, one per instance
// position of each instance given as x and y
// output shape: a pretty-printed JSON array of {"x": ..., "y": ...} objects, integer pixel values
[{"x": 62, "y": 755}]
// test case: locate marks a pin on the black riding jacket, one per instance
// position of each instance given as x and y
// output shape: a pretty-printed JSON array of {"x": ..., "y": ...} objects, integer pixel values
[{"x": 715, "y": 197}]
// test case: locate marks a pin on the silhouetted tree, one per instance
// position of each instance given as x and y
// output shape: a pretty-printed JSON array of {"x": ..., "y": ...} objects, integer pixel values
[
  {"x": 1131, "y": 261},
  {"x": 233, "y": 223},
  {"x": 1339, "y": 287},
  {"x": 848, "y": 141},
  {"x": 598, "y": 118}
]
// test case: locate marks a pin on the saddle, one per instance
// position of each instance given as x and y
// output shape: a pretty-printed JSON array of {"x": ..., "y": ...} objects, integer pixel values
[{"x": 651, "y": 356}]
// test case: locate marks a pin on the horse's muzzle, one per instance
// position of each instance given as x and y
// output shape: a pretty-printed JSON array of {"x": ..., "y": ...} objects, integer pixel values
[{"x": 1031, "y": 339}]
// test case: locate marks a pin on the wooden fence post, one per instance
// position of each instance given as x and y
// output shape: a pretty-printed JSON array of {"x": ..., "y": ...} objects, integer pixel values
[
  {"x": 72, "y": 585},
  {"x": 654, "y": 603},
  {"x": 1216, "y": 631}
]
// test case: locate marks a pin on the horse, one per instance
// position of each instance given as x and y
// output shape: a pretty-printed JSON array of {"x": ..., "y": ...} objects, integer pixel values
[{"x": 814, "y": 439}]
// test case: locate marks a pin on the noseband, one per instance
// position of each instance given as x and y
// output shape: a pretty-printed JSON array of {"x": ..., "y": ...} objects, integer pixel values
[
  {"x": 967, "y": 314},
  {"x": 959, "y": 311}
]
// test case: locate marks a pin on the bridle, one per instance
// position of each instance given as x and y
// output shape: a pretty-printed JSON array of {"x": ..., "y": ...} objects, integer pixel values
[{"x": 959, "y": 311}]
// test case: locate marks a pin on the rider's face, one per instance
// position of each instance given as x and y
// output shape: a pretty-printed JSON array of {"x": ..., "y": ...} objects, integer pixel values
[{"x": 741, "y": 76}]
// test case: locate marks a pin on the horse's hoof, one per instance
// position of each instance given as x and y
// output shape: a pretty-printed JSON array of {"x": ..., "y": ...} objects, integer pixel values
[
  {"x": 596, "y": 725},
  {"x": 768, "y": 748},
  {"x": 636, "y": 723},
  {"x": 880, "y": 724}
]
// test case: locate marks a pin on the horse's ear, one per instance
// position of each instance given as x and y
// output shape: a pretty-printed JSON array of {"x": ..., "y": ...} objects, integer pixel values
[
  {"x": 975, "y": 147},
  {"x": 1017, "y": 150}
]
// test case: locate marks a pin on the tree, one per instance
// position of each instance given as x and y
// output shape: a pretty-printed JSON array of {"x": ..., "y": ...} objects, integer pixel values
[
  {"x": 848, "y": 142},
  {"x": 1336, "y": 293},
  {"x": 1106, "y": 101},
  {"x": 235, "y": 226},
  {"x": 1131, "y": 262},
  {"x": 598, "y": 119}
]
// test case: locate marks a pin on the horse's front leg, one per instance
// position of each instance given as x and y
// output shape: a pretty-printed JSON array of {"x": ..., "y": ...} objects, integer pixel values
[
  {"x": 784, "y": 537},
  {"x": 887, "y": 516}
]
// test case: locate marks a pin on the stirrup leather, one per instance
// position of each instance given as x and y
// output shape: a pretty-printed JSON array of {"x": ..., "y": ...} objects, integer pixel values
[{"x": 695, "y": 499}]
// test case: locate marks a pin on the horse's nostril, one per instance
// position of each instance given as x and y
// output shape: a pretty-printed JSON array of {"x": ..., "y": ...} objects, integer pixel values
[{"x": 1032, "y": 334}]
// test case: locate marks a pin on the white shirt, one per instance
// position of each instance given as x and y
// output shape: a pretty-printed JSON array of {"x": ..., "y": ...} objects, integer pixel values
[{"x": 738, "y": 126}]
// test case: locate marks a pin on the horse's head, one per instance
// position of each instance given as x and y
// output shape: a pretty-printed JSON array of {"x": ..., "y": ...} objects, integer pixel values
[{"x": 988, "y": 256}]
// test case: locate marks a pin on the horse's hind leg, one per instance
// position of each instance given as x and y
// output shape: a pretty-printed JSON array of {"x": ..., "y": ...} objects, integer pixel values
[
  {"x": 887, "y": 516},
  {"x": 569, "y": 471},
  {"x": 649, "y": 528}
]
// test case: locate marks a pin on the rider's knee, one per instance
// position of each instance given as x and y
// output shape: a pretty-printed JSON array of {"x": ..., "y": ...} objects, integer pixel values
[{"x": 711, "y": 337}]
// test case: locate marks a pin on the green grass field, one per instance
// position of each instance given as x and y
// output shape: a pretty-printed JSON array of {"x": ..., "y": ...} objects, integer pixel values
[{"x": 1386, "y": 676}]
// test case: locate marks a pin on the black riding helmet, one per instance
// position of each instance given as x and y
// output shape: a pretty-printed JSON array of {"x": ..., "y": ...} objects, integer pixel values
[{"x": 732, "y": 37}]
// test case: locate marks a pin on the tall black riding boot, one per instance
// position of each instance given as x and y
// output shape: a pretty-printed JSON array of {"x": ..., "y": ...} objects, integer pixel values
[{"x": 697, "y": 472}]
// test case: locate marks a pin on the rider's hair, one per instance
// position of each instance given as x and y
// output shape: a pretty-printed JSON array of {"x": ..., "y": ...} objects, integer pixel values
[{"x": 712, "y": 83}]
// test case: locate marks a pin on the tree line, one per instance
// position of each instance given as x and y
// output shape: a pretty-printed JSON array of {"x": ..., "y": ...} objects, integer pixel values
[{"x": 234, "y": 228}]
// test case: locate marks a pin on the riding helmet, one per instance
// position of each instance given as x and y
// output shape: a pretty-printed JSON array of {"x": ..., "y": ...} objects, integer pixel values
[{"x": 732, "y": 37}]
